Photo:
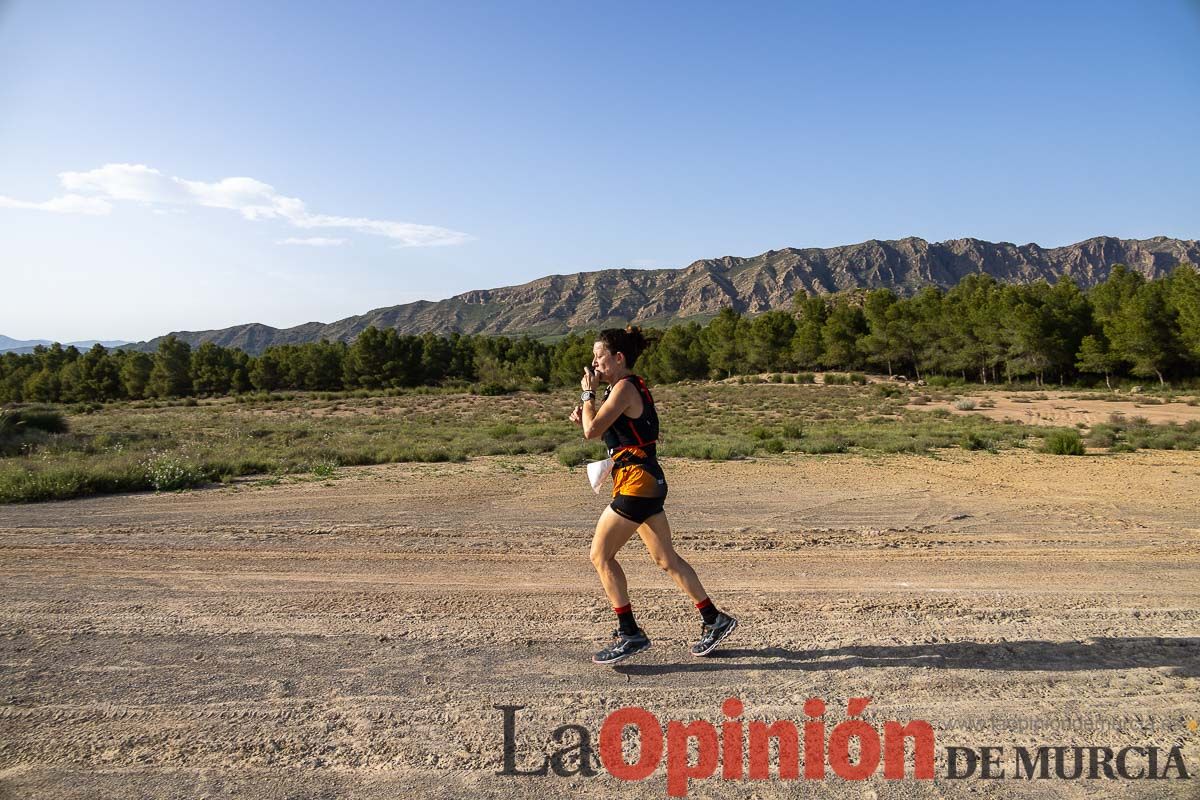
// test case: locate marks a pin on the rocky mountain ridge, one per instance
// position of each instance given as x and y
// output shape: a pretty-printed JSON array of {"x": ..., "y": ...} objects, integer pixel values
[{"x": 557, "y": 304}]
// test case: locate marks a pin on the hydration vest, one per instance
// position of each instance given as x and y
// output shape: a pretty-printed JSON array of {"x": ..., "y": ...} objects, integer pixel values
[{"x": 627, "y": 433}]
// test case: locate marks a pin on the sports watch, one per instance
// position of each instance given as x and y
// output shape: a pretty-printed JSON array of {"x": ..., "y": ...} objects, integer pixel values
[{"x": 587, "y": 395}]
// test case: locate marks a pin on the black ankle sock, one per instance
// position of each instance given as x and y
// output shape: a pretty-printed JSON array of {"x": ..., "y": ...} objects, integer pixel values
[
  {"x": 708, "y": 611},
  {"x": 625, "y": 618}
]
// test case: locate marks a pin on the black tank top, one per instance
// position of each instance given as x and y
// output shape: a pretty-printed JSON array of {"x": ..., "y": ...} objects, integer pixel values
[{"x": 626, "y": 432}]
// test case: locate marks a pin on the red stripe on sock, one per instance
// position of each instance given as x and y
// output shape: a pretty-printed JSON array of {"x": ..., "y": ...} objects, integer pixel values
[
  {"x": 703, "y": 604},
  {"x": 623, "y": 609}
]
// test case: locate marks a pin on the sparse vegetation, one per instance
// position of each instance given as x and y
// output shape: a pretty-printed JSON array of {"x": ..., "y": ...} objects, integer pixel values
[
  {"x": 1063, "y": 443},
  {"x": 168, "y": 446}
]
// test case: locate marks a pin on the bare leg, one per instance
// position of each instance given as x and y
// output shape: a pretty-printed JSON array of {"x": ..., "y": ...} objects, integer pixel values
[
  {"x": 612, "y": 532},
  {"x": 656, "y": 533}
]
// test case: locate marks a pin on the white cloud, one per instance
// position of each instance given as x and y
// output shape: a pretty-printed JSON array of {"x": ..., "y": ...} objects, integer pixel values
[
  {"x": 126, "y": 182},
  {"x": 67, "y": 204},
  {"x": 313, "y": 241},
  {"x": 251, "y": 198}
]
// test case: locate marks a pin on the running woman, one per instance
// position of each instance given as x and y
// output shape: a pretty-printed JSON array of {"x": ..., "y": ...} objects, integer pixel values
[{"x": 628, "y": 423}]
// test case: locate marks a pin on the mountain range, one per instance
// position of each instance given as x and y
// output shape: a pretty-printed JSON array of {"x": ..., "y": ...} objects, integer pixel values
[
  {"x": 557, "y": 304},
  {"x": 9, "y": 344}
]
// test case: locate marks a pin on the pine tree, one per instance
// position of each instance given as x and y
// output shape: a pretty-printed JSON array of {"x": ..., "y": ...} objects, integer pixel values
[
  {"x": 844, "y": 326},
  {"x": 171, "y": 374},
  {"x": 1094, "y": 356},
  {"x": 135, "y": 374},
  {"x": 1183, "y": 299},
  {"x": 808, "y": 344},
  {"x": 1142, "y": 332},
  {"x": 721, "y": 339},
  {"x": 768, "y": 341}
]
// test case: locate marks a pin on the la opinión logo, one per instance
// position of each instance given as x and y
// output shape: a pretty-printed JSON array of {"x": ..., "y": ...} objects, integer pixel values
[
  {"x": 741, "y": 749},
  {"x": 853, "y": 749}
]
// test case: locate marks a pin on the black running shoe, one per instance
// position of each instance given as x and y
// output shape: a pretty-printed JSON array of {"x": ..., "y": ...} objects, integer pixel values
[
  {"x": 713, "y": 635},
  {"x": 626, "y": 645}
]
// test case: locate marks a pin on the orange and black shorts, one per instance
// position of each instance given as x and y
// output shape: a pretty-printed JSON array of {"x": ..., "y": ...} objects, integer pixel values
[
  {"x": 639, "y": 490},
  {"x": 638, "y": 509}
]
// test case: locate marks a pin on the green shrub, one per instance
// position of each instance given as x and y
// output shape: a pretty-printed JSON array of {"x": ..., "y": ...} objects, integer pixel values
[
  {"x": 857, "y": 378},
  {"x": 836, "y": 379},
  {"x": 902, "y": 444},
  {"x": 973, "y": 441},
  {"x": 1102, "y": 435},
  {"x": 573, "y": 455},
  {"x": 57, "y": 482},
  {"x": 773, "y": 446},
  {"x": 1063, "y": 443},
  {"x": 792, "y": 430},
  {"x": 721, "y": 451},
  {"x": 503, "y": 430},
  {"x": 707, "y": 449},
  {"x": 16, "y": 420},
  {"x": 805, "y": 377},
  {"x": 86, "y": 408},
  {"x": 493, "y": 389},
  {"x": 824, "y": 443},
  {"x": 167, "y": 472}
]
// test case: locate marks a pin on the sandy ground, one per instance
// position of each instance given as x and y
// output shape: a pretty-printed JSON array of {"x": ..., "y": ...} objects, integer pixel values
[
  {"x": 350, "y": 638},
  {"x": 1061, "y": 409}
]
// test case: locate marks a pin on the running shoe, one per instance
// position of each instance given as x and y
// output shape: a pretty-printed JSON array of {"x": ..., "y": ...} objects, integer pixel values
[
  {"x": 626, "y": 645},
  {"x": 713, "y": 635}
]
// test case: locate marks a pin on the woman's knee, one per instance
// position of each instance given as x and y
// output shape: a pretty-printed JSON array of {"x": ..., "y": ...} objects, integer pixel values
[
  {"x": 599, "y": 556},
  {"x": 667, "y": 561}
]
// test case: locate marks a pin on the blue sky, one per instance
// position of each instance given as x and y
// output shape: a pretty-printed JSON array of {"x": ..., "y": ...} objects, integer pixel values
[{"x": 168, "y": 166}]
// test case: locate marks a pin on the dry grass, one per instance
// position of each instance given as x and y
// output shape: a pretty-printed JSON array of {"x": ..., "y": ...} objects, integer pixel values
[{"x": 147, "y": 445}]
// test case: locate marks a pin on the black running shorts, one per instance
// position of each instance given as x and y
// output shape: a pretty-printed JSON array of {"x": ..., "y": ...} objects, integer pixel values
[{"x": 637, "y": 509}]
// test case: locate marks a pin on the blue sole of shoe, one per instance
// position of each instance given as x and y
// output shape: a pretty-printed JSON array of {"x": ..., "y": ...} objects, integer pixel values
[{"x": 717, "y": 643}]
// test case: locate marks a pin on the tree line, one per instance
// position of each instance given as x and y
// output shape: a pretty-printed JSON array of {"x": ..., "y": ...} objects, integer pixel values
[{"x": 980, "y": 330}]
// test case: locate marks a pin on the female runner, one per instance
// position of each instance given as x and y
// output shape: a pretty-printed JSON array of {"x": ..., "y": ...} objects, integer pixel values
[{"x": 628, "y": 423}]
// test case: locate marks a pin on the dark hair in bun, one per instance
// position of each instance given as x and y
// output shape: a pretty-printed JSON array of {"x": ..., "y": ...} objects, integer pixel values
[{"x": 630, "y": 342}]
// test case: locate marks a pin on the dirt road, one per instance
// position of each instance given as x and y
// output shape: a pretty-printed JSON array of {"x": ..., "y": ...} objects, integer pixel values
[
  {"x": 1068, "y": 409},
  {"x": 351, "y": 638}
]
